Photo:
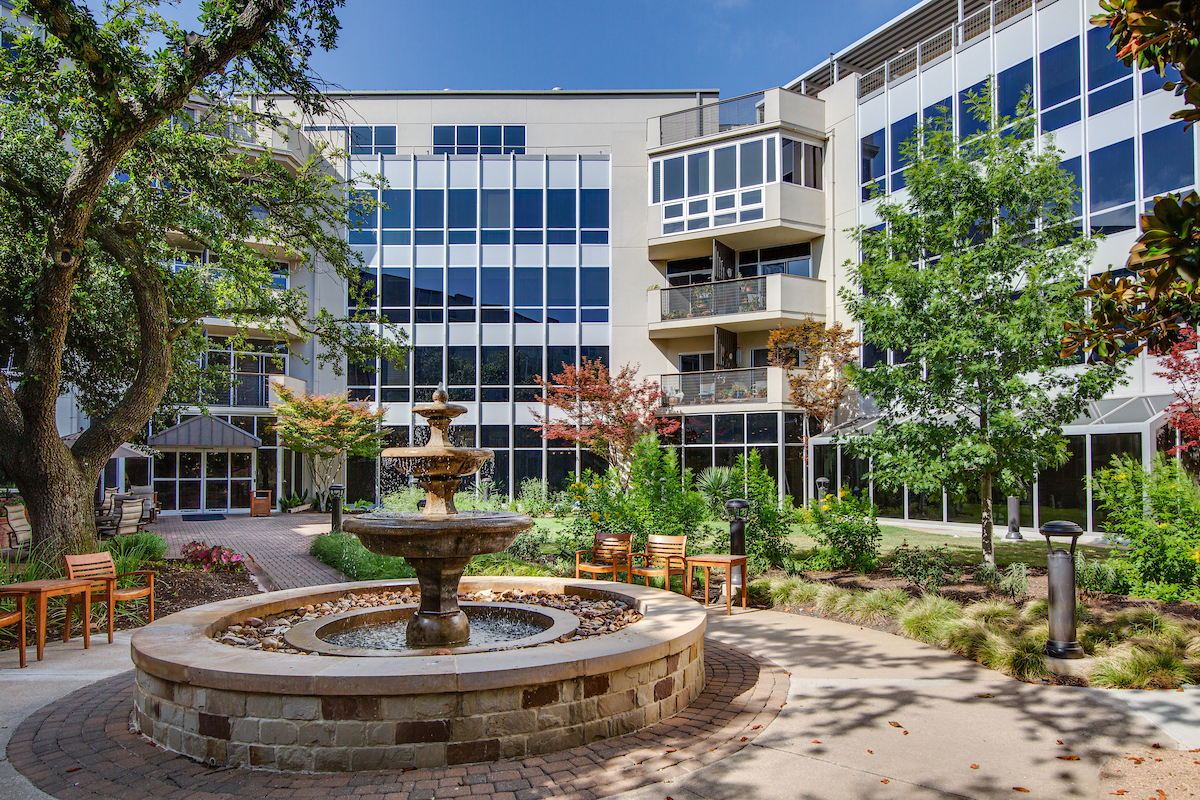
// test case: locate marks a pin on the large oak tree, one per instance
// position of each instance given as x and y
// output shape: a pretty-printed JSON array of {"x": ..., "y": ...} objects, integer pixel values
[{"x": 123, "y": 137}]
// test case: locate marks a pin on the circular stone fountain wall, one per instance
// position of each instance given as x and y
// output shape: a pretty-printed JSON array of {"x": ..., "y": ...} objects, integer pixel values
[{"x": 330, "y": 713}]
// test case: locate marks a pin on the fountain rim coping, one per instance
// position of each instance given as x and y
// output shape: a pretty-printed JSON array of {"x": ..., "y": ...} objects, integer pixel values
[
  {"x": 305, "y": 636},
  {"x": 179, "y": 649}
]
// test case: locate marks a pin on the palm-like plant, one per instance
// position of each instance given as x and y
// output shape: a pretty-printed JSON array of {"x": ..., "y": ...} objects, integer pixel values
[{"x": 716, "y": 484}]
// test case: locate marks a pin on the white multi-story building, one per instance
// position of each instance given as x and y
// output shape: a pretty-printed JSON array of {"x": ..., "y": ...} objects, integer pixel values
[{"x": 522, "y": 230}]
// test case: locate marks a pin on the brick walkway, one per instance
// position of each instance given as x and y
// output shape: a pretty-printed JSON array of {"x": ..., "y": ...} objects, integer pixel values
[
  {"x": 80, "y": 747},
  {"x": 278, "y": 543}
]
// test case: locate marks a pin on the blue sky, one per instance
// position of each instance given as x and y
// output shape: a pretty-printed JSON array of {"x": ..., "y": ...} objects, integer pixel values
[{"x": 737, "y": 46}]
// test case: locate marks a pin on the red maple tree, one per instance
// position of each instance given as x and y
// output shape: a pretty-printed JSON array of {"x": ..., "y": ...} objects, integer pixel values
[
  {"x": 603, "y": 412},
  {"x": 1182, "y": 368}
]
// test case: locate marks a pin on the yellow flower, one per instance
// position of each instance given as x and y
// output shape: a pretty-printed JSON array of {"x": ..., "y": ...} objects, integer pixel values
[
  {"x": 825, "y": 507},
  {"x": 595, "y": 516}
]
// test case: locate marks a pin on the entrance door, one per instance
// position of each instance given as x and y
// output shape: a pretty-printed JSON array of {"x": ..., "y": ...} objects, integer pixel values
[{"x": 228, "y": 480}]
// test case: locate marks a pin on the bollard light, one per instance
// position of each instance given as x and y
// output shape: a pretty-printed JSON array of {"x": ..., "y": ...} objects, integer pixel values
[
  {"x": 737, "y": 511},
  {"x": 1014, "y": 520},
  {"x": 822, "y": 487},
  {"x": 336, "y": 492},
  {"x": 1060, "y": 574}
]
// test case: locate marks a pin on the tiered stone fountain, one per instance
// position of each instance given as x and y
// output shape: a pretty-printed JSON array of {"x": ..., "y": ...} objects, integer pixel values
[
  {"x": 437, "y": 699},
  {"x": 439, "y": 541}
]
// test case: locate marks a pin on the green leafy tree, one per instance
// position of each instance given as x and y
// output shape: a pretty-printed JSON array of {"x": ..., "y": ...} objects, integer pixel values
[
  {"x": 972, "y": 279},
  {"x": 1148, "y": 310},
  {"x": 325, "y": 428},
  {"x": 125, "y": 138}
]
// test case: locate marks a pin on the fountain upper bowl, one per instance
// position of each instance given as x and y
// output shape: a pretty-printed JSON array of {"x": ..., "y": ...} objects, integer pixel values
[
  {"x": 411, "y": 534},
  {"x": 425, "y": 462}
]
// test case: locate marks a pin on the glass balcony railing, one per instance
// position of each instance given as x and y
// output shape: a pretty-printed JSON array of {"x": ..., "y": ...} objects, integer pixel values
[
  {"x": 714, "y": 299},
  {"x": 245, "y": 389},
  {"x": 720, "y": 386}
]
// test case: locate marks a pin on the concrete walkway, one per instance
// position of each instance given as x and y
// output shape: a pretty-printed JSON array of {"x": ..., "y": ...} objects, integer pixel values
[
  {"x": 869, "y": 715},
  {"x": 872, "y": 715},
  {"x": 278, "y": 543}
]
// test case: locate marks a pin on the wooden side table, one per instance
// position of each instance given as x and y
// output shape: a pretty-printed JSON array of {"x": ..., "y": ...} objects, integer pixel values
[
  {"x": 720, "y": 561},
  {"x": 42, "y": 591}
]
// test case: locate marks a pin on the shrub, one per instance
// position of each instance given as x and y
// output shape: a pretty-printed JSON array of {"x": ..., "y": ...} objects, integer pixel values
[
  {"x": 768, "y": 525},
  {"x": 1109, "y": 575},
  {"x": 847, "y": 532},
  {"x": 529, "y": 546},
  {"x": 534, "y": 497},
  {"x": 926, "y": 570},
  {"x": 662, "y": 494},
  {"x": 146, "y": 545},
  {"x": 717, "y": 485},
  {"x": 212, "y": 559},
  {"x": 404, "y": 498},
  {"x": 599, "y": 507},
  {"x": 876, "y": 606},
  {"x": 294, "y": 500},
  {"x": 504, "y": 564},
  {"x": 1158, "y": 513}
]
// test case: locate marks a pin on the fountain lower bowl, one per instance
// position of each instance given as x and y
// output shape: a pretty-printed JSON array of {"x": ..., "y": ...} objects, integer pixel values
[
  {"x": 327, "y": 713},
  {"x": 544, "y": 624}
]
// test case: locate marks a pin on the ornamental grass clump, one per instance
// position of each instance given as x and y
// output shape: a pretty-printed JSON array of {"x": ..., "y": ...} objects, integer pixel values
[
  {"x": 928, "y": 619},
  {"x": 876, "y": 606}
]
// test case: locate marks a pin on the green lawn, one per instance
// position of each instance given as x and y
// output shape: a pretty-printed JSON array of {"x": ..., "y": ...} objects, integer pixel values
[{"x": 964, "y": 549}]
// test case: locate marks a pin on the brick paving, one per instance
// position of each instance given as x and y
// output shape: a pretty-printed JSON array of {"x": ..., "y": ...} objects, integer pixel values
[
  {"x": 81, "y": 747},
  {"x": 278, "y": 543}
]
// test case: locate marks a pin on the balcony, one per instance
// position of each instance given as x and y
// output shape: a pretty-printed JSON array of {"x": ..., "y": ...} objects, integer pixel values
[
  {"x": 749, "y": 304},
  {"x": 758, "y": 386},
  {"x": 705, "y": 120}
]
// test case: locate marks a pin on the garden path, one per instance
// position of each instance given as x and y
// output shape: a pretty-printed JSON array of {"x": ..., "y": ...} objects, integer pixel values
[{"x": 278, "y": 543}]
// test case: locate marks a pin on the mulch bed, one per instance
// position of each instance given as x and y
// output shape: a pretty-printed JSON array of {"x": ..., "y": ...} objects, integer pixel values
[{"x": 176, "y": 586}]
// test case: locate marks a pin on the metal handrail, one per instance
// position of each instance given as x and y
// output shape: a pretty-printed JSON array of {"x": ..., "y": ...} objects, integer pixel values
[
  {"x": 710, "y": 118},
  {"x": 744, "y": 296},
  {"x": 720, "y": 387}
]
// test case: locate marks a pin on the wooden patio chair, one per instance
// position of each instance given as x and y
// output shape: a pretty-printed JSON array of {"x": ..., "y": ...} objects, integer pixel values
[
  {"x": 20, "y": 536},
  {"x": 609, "y": 553},
  {"x": 101, "y": 568},
  {"x": 664, "y": 557},
  {"x": 16, "y": 617},
  {"x": 128, "y": 518}
]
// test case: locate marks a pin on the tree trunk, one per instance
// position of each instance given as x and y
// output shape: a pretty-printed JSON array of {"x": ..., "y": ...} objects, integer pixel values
[
  {"x": 58, "y": 495},
  {"x": 985, "y": 508},
  {"x": 324, "y": 471}
]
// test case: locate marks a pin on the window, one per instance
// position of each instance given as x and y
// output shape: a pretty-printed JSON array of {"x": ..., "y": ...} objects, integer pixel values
[
  {"x": 368, "y": 140},
  {"x": 593, "y": 208},
  {"x": 493, "y": 286},
  {"x": 429, "y": 213},
  {"x": 939, "y": 114},
  {"x": 752, "y": 163},
  {"x": 394, "y": 290},
  {"x": 1074, "y": 166},
  {"x": 493, "y": 208},
  {"x": 478, "y": 139},
  {"x": 461, "y": 205},
  {"x": 1152, "y": 81},
  {"x": 697, "y": 362},
  {"x": 527, "y": 286},
  {"x": 760, "y": 357},
  {"x": 593, "y": 286},
  {"x": 1111, "y": 175},
  {"x": 427, "y": 365},
  {"x": 560, "y": 208},
  {"x": 1060, "y": 74},
  {"x": 724, "y": 169},
  {"x": 673, "y": 178},
  {"x": 527, "y": 208},
  {"x": 973, "y": 117},
  {"x": 460, "y": 286},
  {"x": 1110, "y": 97},
  {"x": 493, "y": 366},
  {"x": 902, "y": 132},
  {"x": 1103, "y": 67},
  {"x": 1061, "y": 117},
  {"x": 460, "y": 366},
  {"x": 697, "y": 174},
  {"x": 560, "y": 286},
  {"x": 429, "y": 286},
  {"x": 397, "y": 211},
  {"x": 1168, "y": 159},
  {"x": 1011, "y": 85},
  {"x": 874, "y": 163}
]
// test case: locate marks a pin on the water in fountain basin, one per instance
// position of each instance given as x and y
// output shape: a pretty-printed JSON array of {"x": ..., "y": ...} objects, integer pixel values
[{"x": 486, "y": 629}]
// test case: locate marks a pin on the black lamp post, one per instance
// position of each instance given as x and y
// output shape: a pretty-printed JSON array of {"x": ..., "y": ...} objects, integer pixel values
[
  {"x": 736, "y": 511},
  {"x": 336, "y": 492},
  {"x": 1060, "y": 574}
]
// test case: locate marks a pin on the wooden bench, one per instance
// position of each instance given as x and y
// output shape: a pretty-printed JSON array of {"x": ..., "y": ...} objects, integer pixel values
[{"x": 100, "y": 568}]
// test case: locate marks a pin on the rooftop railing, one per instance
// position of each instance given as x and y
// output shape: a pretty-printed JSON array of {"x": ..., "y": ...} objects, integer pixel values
[{"x": 711, "y": 118}]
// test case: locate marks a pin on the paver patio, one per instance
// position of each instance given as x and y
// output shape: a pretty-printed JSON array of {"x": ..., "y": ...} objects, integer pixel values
[{"x": 278, "y": 543}]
